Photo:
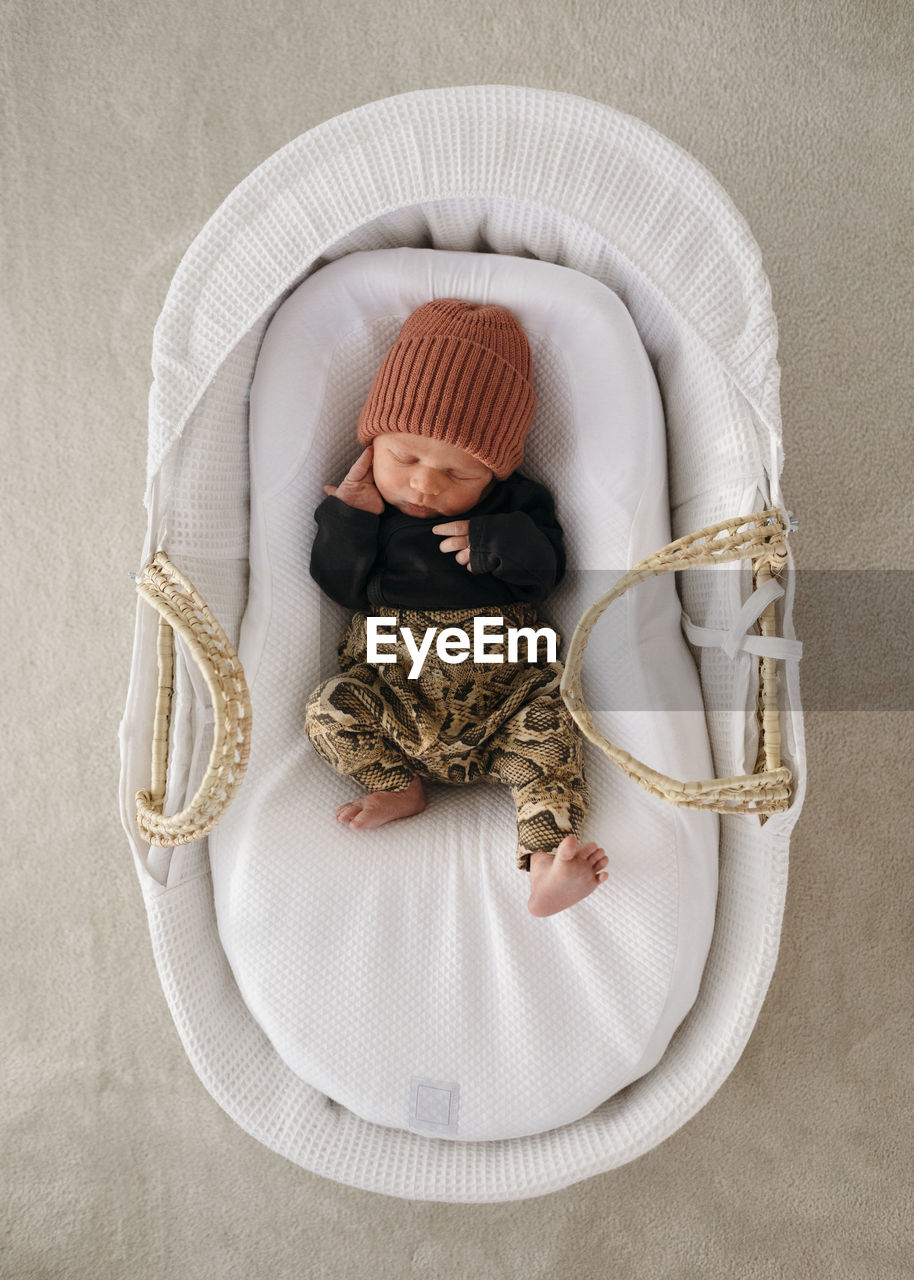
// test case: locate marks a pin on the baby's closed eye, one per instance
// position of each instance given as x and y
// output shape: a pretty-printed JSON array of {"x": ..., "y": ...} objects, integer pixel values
[{"x": 450, "y": 472}]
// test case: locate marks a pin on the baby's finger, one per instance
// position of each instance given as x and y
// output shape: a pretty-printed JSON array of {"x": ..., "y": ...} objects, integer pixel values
[
  {"x": 362, "y": 465},
  {"x": 463, "y": 557},
  {"x": 454, "y": 544},
  {"x": 461, "y": 527},
  {"x": 330, "y": 488}
]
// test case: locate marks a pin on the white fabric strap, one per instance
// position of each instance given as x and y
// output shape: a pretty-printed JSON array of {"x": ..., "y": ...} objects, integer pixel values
[{"x": 738, "y": 639}]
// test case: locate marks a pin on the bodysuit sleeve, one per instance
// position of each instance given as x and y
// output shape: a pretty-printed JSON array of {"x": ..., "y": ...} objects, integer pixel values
[
  {"x": 344, "y": 551},
  {"x": 523, "y": 548}
]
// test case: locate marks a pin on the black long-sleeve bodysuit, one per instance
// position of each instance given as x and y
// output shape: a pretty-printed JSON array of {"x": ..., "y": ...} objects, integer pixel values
[{"x": 367, "y": 561}]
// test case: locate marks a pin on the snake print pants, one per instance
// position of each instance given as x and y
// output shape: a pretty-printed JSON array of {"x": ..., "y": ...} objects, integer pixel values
[{"x": 456, "y": 722}]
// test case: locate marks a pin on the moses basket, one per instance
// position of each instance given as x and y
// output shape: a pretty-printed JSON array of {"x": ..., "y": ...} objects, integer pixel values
[{"x": 539, "y": 175}]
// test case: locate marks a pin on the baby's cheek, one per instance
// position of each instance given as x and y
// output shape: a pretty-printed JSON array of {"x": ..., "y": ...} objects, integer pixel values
[{"x": 383, "y": 485}]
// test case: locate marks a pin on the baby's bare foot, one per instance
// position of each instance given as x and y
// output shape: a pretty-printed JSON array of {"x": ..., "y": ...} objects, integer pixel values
[
  {"x": 374, "y": 810},
  {"x": 561, "y": 879}
]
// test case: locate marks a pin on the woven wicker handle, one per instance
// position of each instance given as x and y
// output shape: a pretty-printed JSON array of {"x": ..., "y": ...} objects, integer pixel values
[
  {"x": 760, "y": 537},
  {"x": 181, "y": 609}
]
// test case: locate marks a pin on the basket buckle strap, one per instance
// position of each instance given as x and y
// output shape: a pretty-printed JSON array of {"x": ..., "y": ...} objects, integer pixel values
[{"x": 739, "y": 638}]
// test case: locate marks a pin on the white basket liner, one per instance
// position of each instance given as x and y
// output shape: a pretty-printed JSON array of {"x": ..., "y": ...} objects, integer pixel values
[{"x": 512, "y": 170}]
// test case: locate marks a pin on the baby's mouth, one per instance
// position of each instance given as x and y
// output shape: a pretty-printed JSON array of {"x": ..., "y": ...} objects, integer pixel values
[{"x": 415, "y": 508}]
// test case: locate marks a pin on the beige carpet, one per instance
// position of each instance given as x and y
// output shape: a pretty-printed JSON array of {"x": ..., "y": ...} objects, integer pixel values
[{"x": 123, "y": 127}]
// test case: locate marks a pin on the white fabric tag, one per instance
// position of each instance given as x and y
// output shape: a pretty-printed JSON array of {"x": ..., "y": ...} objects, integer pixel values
[{"x": 433, "y": 1106}]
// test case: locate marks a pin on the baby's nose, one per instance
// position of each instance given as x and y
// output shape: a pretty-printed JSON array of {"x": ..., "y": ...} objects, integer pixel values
[{"x": 425, "y": 482}]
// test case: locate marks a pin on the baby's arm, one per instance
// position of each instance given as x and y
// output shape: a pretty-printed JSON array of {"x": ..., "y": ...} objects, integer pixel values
[
  {"x": 514, "y": 547},
  {"x": 345, "y": 546},
  {"x": 523, "y": 548}
]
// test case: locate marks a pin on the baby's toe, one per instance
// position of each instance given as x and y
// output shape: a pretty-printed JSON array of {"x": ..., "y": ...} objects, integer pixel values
[{"x": 568, "y": 849}]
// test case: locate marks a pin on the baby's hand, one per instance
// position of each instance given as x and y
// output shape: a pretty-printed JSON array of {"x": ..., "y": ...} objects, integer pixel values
[
  {"x": 459, "y": 540},
  {"x": 358, "y": 487}
]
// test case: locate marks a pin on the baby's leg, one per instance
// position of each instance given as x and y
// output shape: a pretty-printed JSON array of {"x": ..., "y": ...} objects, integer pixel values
[
  {"x": 539, "y": 756},
  {"x": 343, "y": 722}
]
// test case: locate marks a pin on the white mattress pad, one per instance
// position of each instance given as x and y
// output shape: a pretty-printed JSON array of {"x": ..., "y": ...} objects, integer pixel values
[{"x": 398, "y": 970}]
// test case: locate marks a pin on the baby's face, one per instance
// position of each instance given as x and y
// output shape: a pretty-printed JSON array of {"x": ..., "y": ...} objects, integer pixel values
[{"x": 424, "y": 477}]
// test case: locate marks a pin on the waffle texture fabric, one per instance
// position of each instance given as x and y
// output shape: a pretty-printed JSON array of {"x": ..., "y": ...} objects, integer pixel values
[{"x": 501, "y": 169}]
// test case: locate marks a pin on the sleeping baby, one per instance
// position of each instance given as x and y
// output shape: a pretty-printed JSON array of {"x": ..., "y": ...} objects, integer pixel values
[{"x": 434, "y": 536}]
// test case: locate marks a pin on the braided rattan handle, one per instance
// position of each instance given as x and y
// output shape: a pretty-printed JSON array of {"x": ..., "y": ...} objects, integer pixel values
[
  {"x": 181, "y": 609},
  {"x": 760, "y": 537}
]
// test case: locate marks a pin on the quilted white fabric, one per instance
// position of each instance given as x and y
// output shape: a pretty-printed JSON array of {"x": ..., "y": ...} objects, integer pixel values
[
  {"x": 377, "y": 960},
  {"x": 537, "y": 174}
]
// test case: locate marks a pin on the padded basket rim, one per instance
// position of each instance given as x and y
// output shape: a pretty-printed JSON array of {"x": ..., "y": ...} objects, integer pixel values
[{"x": 210, "y": 306}]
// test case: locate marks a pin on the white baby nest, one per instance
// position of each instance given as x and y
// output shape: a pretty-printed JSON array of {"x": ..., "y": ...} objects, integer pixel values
[
  {"x": 414, "y": 942},
  {"x": 528, "y": 174}
]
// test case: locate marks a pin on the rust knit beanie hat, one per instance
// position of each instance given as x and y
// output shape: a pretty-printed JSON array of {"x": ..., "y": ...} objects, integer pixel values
[{"x": 460, "y": 372}]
